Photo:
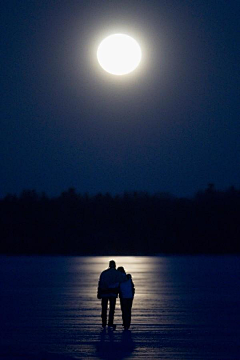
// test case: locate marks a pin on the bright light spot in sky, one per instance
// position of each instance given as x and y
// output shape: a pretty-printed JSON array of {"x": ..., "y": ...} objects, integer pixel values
[{"x": 119, "y": 54}]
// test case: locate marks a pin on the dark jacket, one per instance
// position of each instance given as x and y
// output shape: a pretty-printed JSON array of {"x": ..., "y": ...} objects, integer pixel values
[
  {"x": 108, "y": 285},
  {"x": 127, "y": 289}
]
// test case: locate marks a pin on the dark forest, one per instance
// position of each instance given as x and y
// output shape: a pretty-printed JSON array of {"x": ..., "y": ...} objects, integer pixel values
[{"x": 136, "y": 223}]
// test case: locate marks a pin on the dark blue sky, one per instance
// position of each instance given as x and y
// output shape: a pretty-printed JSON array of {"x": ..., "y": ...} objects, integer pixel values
[{"x": 172, "y": 125}]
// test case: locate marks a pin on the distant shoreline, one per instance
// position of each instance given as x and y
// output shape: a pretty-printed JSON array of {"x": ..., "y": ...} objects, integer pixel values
[{"x": 137, "y": 224}]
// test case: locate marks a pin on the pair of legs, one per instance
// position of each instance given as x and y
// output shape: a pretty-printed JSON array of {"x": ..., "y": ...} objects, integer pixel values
[
  {"x": 112, "y": 302},
  {"x": 126, "y": 307}
]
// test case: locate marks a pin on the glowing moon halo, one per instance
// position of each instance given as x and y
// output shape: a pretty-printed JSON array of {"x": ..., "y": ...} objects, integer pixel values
[{"x": 119, "y": 54}]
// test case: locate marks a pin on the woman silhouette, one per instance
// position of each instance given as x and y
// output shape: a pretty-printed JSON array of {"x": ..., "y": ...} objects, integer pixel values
[{"x": 126, "y": 294}]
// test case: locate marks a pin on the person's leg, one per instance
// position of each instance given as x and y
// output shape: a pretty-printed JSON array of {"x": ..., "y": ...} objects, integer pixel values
[
  {"x": 104, "y": 311},
  {"x": 121, "y": 303},
  {"x": 128, "y": 310},
  {"x": 111, "y": 310},
  {"x": 124, "y": 312}
]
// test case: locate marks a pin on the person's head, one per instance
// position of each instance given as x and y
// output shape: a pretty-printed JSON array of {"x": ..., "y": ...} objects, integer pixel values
[
  {"x": 121, "y": 269},
  {"x": 112, "y": 264}
]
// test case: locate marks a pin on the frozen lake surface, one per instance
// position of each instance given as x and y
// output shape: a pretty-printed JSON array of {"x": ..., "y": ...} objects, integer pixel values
[{"x": 184, "y": 308}]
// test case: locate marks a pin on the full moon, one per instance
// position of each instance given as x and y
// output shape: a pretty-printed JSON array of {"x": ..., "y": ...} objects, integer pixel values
[{"x": 119, "y": 54}]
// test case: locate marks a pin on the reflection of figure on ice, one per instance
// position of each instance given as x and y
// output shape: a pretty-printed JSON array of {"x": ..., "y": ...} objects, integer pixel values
[
  {"x": 114, "y": 345},
  {"x": 111, "y": 283}
]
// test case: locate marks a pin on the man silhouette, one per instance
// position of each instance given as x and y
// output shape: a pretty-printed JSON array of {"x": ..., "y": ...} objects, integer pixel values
[{"x": 108, "y": 289}]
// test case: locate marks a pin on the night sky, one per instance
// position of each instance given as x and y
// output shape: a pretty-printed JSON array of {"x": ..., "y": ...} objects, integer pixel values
[{"x": 170, "y": 126}]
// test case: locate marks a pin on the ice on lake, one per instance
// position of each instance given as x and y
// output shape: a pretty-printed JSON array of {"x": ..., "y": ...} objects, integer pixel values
[{"x": 185, "y": 307}]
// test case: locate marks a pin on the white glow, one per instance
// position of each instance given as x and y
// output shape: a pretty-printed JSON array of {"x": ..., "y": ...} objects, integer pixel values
[{"x": 119, "y": 54}]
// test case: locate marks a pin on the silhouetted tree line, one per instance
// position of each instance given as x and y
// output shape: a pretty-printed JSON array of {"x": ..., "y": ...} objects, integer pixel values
[{"x": 133, "y": 223}]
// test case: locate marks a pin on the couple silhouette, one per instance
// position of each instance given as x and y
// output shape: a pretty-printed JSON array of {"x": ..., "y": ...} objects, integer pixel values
[{"x": 114, "y": 282}]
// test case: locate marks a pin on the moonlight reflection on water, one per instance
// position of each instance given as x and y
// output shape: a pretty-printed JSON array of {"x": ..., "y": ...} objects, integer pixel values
[{"x": 184, "y": 308}]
